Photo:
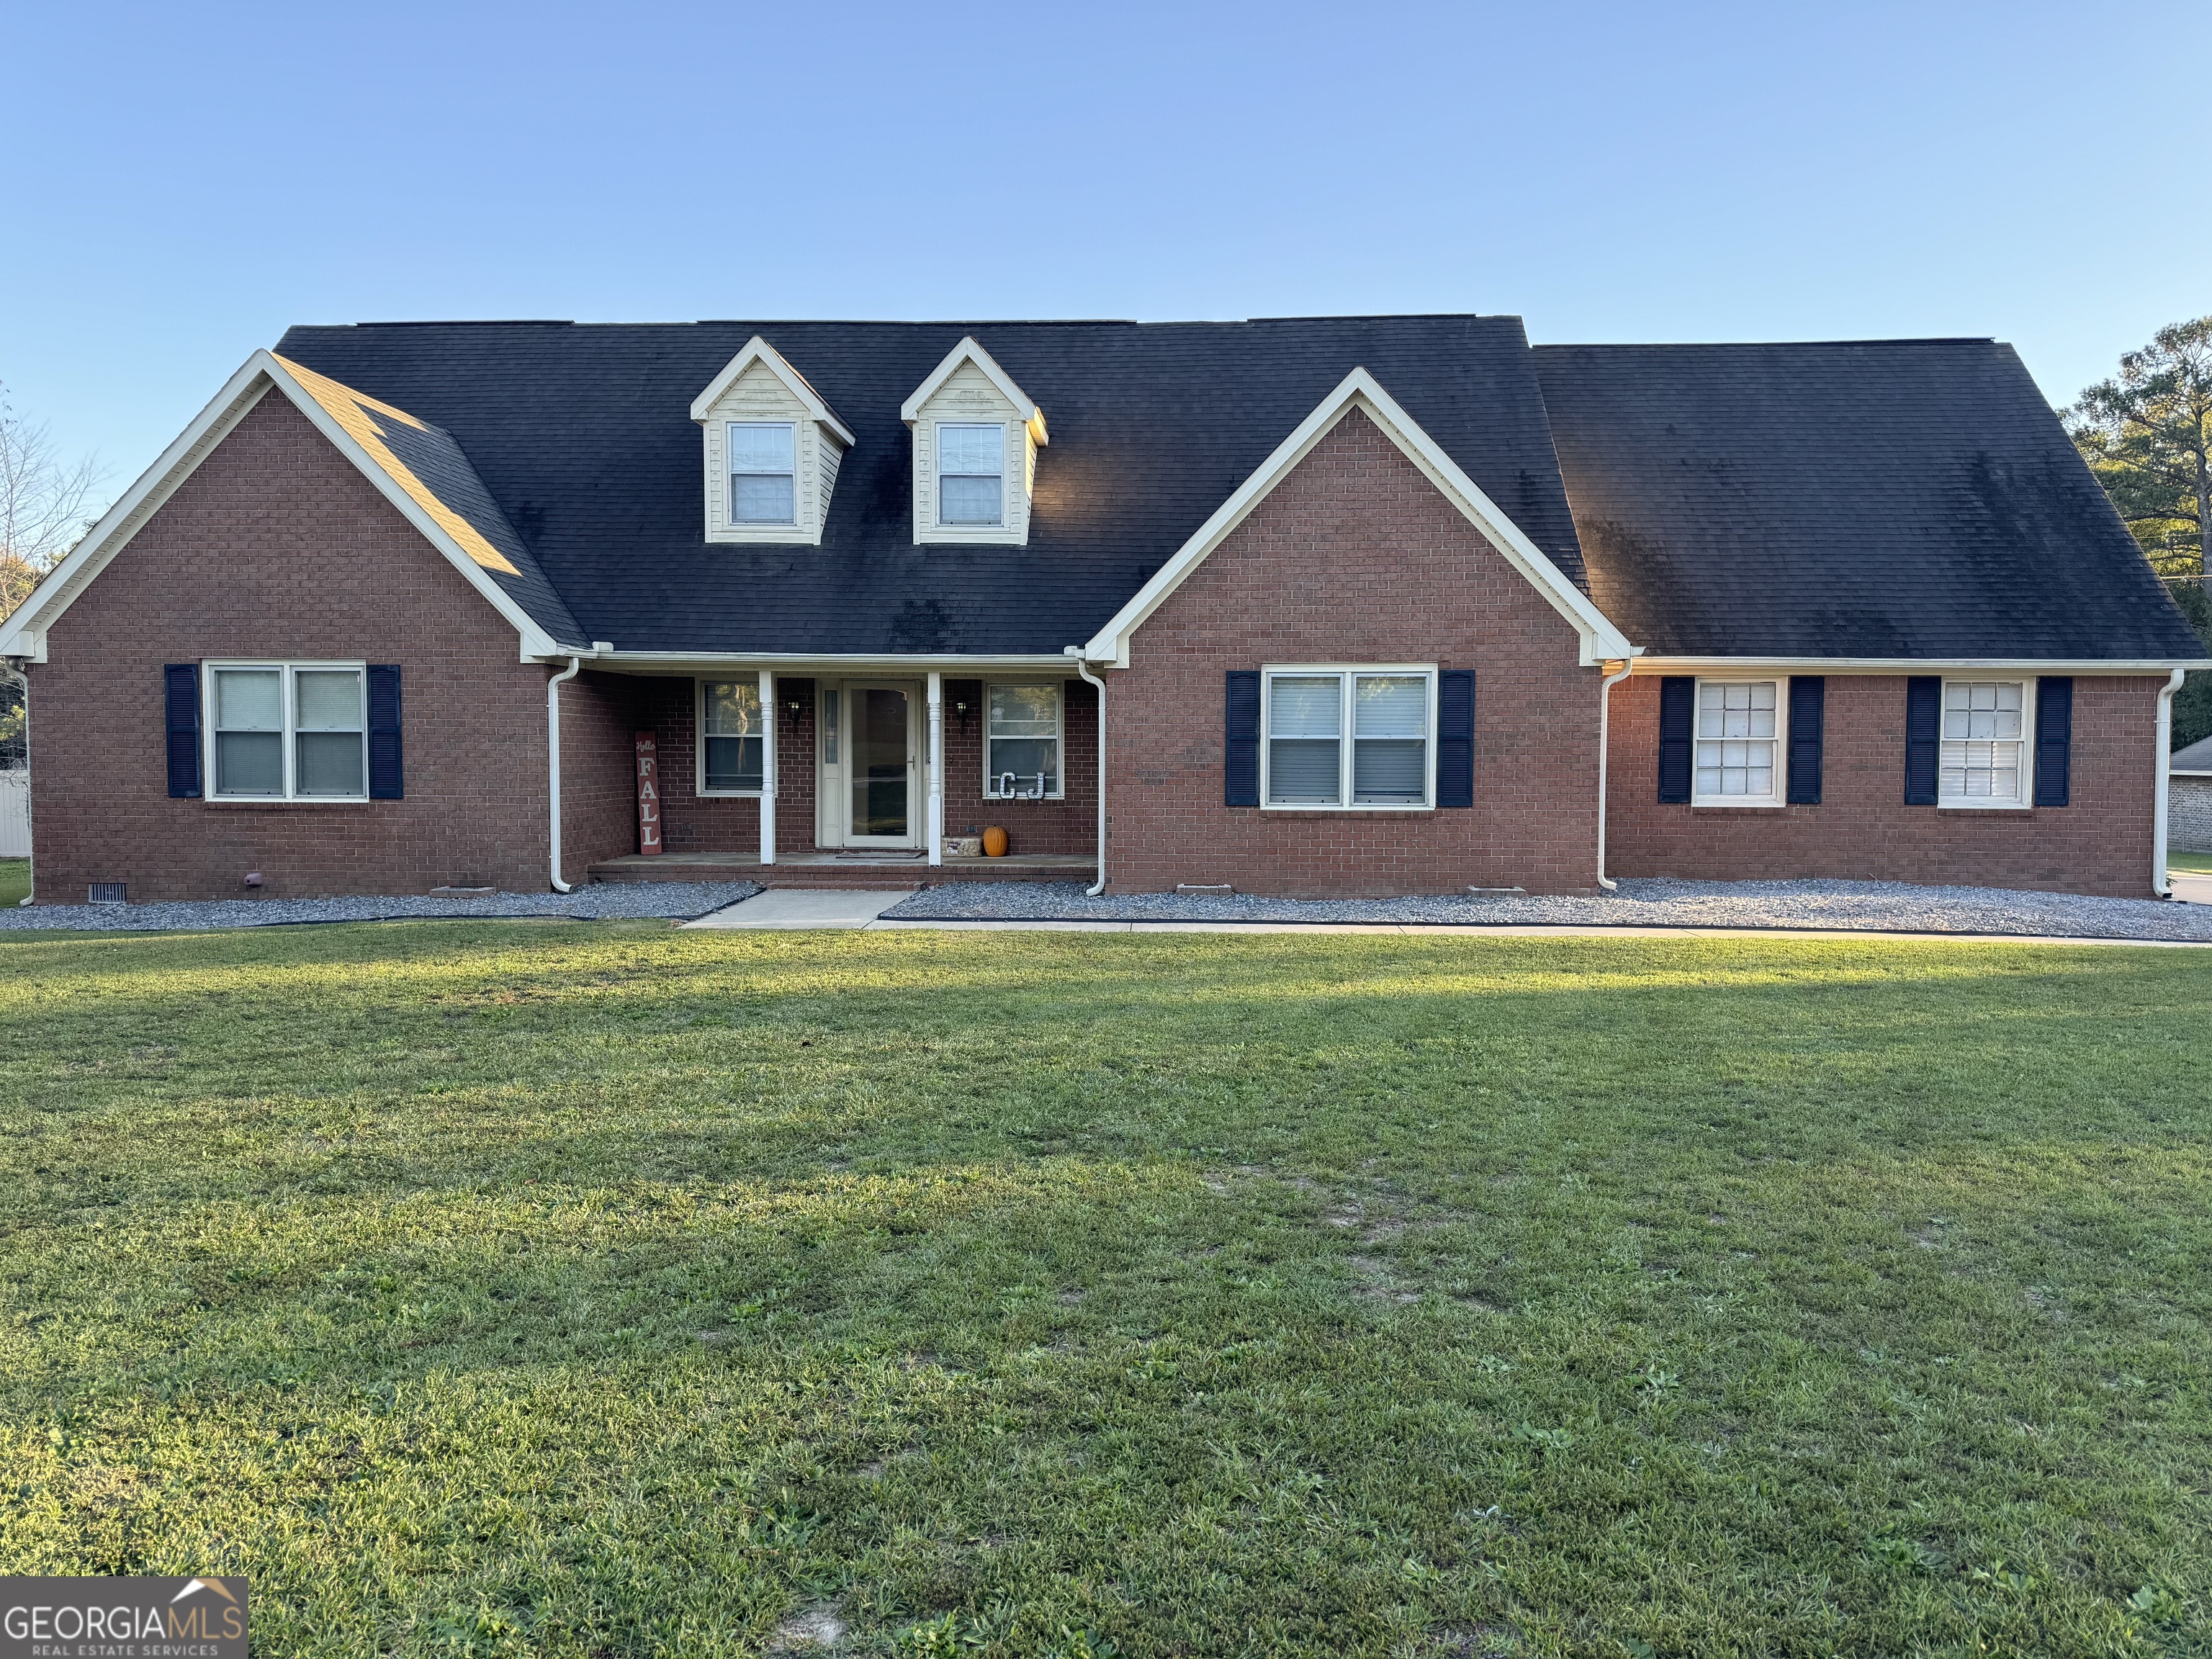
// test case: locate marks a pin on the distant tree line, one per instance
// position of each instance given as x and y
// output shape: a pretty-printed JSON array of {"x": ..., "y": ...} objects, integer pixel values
[{"x": 2147, "y": 434}]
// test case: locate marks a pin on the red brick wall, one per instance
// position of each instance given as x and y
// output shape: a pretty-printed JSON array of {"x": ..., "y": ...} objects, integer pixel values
[
  {"x": 277, "y": 547},
  {"x": 1355, "y": 557},
  {"x": 1070, "y": 825},
  {"x": 1863, "y": 830},
  {"x": 599, "y": 720}
]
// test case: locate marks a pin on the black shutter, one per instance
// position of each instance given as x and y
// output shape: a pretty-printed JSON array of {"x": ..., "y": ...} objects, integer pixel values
[
  {"x": 386, "y": 780},
  {"x": 1809, "y": 696},
  {"x": 2054, "y": 740},
  {"x": 1678, "y": 703},
  {"x": 180, "y": 683},
  {"x": 1240, "y": 767},
  {"x": 1456, "y": 738},
  {"x": 1923, "y": 733}
]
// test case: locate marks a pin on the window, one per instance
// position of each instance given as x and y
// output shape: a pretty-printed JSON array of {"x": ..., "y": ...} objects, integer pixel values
[
  {"x": 971, "y": 474},
  {"x": 1739, "y": 741},
  {"x": 1021, "y": 742},
  {"x": 732, "y": 751},
  {"x": 288, "y": 732},
  {"x": 1984, "y": 758},
  {"x": 762, "y": 467},
  {"x": 1386, "y": 714}
]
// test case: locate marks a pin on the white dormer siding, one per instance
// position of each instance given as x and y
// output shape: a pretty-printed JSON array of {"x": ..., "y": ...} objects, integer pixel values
[
  {"x": 757, "y": 387},
  {"x": 968, "y": 390}
]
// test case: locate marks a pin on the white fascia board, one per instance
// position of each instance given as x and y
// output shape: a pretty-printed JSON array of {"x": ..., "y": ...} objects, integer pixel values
[
  {"x": 658, "y": 662},
  {"x": 536, "y": 642},
  {"x": 1601, "y": 640},
  {"x": 24, "y": 634},
  {"x": 969, "y": 351},
  {"x": 1648, "y": 664},
  {"x": 260, "y": 372},
  {"x": 758, "y": 351}
]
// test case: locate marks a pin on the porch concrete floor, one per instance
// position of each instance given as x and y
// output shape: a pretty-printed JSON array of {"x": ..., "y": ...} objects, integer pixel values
[{"x": 859, "y": 868}]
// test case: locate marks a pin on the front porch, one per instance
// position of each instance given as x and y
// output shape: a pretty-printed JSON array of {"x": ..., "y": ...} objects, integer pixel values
[{"x": 852, "y": 868}]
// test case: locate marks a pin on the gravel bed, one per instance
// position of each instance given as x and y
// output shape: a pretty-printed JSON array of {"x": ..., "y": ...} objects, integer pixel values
[
  {"x": 593, "y": 902},
  {"x": 1873, "y": 906}
]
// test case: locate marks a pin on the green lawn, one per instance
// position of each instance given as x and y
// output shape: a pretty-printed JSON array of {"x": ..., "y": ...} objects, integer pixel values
[
  {"x": 15, "y": 880},
  {"x": 608, "y": 1290},
  {"x": 2178, "y": 861}
]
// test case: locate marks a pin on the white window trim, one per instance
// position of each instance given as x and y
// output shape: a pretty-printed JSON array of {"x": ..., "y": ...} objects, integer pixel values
[
  {"x": 699, "y": 739},
  {"x": 948, "y": 526},
  {"x": 2027, "y": 684},
  {"x": 1746, "y": 803},
  {"x": 1059, "y": 738},
  {"x": 730, "y": 518},
  {"x": 1267, "y": 673},
  {"x": 285, "y": 670}
]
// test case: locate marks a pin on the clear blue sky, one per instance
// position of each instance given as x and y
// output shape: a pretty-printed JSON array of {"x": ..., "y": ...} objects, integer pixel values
[{"x": 184, "y": 181}]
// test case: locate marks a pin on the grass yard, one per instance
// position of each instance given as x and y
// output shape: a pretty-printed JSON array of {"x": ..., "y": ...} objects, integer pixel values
[
  {"x": 606, "y": 1290},
  {"x": 15, "y": 880},
  {"x": 2195, "y": 862}
]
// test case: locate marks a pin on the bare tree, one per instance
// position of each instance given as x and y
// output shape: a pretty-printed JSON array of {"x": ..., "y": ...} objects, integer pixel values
[{"x": 46, "y": 504}]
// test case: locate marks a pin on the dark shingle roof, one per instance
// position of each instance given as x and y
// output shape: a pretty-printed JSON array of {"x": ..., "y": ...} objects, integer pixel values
[
  {"x": 582, "y": 435},
  {"x": 1904, "y": 498},
  {"x": 2196, "y": 758}
]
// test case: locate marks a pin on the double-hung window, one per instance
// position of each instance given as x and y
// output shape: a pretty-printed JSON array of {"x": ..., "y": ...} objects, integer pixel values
[
  {"x": 1349, "y": 737},
  {"x": 288, "y": 732},
  {"x": 1021, "y": 742},
  {"x": 1739, "y": 743},
  {"x": 762, "y": 472},
  {"x": 1984, "y": 761},
  {"x": 971, "y": 474},
  {"x": 732, "y": 751}
]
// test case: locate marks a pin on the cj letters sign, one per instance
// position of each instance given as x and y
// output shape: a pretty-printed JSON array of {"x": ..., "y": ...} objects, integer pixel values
[{"x": 122, "y": 1619}]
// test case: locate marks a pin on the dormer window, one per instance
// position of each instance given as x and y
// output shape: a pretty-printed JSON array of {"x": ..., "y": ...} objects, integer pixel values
[
  {"x": 971, "y": 474},
  {"x": 773, "y": 449},
  {"x": 975, "y": 440},
  {"x": 763, "y": 472}
]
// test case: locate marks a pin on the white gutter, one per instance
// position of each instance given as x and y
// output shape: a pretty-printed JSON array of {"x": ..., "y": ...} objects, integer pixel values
[
  {"x": 1604, "y": 750},
  {"x": 1084, "y": 669},
  {"x": 553, "y": 759},
  {"x": 2161, "y": 883},
  {"x": 2082, "y": 667}
]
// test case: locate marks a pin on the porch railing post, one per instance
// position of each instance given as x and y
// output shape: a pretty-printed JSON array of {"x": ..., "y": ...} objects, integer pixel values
[
  {"x": 936, "y": 820},
  {"x": 767, "y": 765}
]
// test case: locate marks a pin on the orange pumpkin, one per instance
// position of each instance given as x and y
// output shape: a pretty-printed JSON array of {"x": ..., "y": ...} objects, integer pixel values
[{"x": 995, "y": 842}]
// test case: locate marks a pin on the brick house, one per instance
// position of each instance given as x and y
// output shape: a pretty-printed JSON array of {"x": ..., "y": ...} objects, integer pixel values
[{"x": 1320, "y": 606}]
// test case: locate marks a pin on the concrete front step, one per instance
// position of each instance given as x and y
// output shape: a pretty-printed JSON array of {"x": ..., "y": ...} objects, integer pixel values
[{"x": 826, "y": 870}]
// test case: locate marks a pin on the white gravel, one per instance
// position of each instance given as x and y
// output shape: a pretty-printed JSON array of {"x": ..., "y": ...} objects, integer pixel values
[
  {"x": 597, "y": 901},
  {"x": 1872, "y": 906}
]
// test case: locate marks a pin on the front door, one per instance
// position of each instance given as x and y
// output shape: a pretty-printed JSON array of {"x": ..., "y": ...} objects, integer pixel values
[{"x": 880, "y": 770}]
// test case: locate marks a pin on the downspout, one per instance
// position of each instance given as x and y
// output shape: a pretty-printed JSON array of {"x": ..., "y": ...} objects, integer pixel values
[
  {"x": 553, "y": 759},
  {"x": 1604, "y": 751},
  {"x": 1083, "y": 668},
  {"x": 2161, "y": 883}
]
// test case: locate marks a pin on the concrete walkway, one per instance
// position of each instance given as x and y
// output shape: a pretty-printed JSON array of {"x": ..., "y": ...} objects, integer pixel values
[
  {"x": 790, "y": 909},
  {"x": 808, "y": 907}
]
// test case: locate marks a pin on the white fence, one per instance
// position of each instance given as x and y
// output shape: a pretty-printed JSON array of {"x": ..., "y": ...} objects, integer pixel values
[{"x": 14, "y": 815}]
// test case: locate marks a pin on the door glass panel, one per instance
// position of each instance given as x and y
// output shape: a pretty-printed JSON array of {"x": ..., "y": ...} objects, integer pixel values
[{"x": 879, "y": 773}]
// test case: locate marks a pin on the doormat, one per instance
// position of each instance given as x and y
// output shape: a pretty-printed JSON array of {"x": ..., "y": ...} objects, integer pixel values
[{"x": 880, "y": 855}]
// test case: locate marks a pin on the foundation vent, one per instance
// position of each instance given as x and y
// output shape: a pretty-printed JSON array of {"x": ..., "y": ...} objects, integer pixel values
[{"x": 107, "y": 892}]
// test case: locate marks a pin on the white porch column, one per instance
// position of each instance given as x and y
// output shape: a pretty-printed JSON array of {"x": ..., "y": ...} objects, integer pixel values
[
  {"x": 767, "y": 765},
  {"x": 936, "y": 820}
]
